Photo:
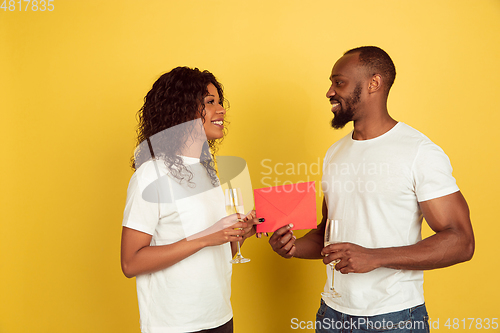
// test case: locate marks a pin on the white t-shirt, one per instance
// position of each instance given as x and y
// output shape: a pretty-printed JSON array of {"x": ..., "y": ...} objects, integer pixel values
[
  {"x": 193, "y": 294},
  {"x": 374, "y": 187}
]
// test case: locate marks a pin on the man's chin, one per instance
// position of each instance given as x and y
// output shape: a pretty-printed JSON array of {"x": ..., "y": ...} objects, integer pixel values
[{"x": 336, "y": 124}]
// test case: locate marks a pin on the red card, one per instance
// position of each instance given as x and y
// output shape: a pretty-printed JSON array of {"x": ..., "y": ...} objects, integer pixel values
[{"x": 281, "y": 205}]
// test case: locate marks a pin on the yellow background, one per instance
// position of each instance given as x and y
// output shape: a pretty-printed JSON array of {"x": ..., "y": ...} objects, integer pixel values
[{"x": 72, "y": 80}]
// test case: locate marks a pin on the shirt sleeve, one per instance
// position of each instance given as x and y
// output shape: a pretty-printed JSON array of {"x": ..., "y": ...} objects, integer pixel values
[
  {"x": 432, "y": 173},
  {"x": 140, "y": 214}
]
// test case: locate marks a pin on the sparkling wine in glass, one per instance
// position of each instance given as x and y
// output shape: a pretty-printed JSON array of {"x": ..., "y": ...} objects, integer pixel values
[
  {"x": 332, "y": 235},
  {"x": 234, "y": 204}
]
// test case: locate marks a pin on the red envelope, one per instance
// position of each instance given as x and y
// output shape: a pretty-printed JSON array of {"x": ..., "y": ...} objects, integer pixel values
[{"x": 281, "y": 205}]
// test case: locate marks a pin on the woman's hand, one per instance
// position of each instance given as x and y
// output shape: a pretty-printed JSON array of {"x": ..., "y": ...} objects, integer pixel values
[
  {"x": 252, "y": 221},
  {"x": 249, "y": 222},
  {"x": 228, "y": 229}
]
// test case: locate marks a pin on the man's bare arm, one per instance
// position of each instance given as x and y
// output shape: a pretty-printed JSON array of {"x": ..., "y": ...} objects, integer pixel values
[{"x": 452, "y": 243}]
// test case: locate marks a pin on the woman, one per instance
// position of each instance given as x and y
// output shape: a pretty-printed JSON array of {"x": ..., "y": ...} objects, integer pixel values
[{"x": 176, "y": 239}]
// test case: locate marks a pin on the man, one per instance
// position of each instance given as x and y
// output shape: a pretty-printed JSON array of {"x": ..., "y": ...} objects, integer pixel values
[{"x": 380, "y": 180}]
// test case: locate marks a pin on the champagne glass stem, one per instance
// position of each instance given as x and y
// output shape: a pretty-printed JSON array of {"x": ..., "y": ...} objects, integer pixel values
[
  {"x": 331, "y": 236},
  {"x": 239, "y": 250},
  {"x": 238, "y": 242},
  {"x": 333, "y": 272},
  {"x": 235, "y": 204}
]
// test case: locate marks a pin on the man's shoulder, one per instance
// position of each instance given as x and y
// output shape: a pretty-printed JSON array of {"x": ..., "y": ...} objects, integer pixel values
[
  {"x": 411, "y": 133},
  {"x": 417, "y": 138}
]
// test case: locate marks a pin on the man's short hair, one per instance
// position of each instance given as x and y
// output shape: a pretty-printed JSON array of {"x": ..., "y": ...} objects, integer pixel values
[{"x": 376, "y": 61}]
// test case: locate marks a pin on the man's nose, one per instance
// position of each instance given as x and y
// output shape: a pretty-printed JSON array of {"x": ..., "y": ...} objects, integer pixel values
[{"x": 330, "y": 93}]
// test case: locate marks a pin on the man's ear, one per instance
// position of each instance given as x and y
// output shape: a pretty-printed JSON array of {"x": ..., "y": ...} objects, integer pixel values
[{"x": 375, "y": 83}]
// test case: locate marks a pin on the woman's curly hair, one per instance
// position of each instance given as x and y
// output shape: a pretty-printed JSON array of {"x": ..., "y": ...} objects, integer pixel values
[{"x": 177, "y": 97}]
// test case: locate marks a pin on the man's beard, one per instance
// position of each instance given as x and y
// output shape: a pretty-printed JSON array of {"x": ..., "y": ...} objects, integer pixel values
[{"x": 346, "y": 115}]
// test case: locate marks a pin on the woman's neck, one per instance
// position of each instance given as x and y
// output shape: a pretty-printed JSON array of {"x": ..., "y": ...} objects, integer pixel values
[{"x": 192, "y": 149}]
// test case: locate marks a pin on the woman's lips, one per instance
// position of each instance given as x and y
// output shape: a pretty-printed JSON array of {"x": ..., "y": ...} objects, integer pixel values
[{"x": 218, "y": 123}]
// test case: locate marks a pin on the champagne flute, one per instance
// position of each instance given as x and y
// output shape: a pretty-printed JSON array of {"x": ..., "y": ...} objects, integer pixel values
[
  {"x": 234, "y": 204},
  {"x": 332, "y": 235}
]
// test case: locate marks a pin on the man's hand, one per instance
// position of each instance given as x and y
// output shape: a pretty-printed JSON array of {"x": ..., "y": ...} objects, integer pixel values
[
  {"x": 283, "y": 241},
  {"x": 353, "y": 258}
]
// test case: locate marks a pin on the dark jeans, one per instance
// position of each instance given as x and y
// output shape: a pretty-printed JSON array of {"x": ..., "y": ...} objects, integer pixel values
[
  {"x": 412, "y": 320},
  {"x": 226, "y": 328}
]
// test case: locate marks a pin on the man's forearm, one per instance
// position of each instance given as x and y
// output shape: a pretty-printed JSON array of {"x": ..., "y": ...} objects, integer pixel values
[
  {"x": 443, "y": 249},
  {"x": 309, "y": 246}
]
